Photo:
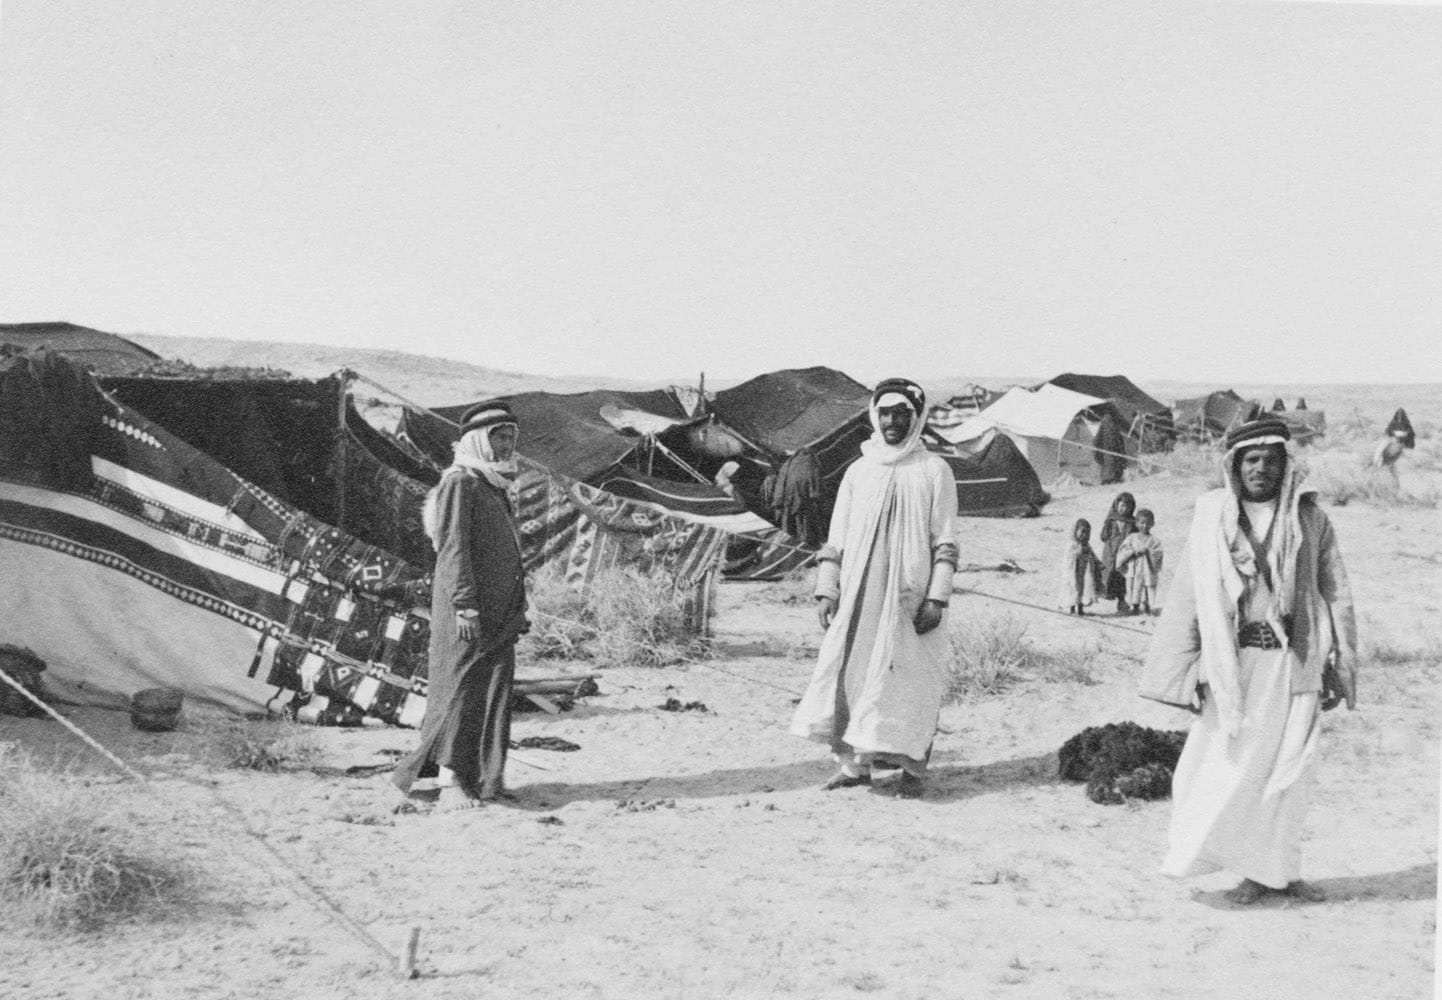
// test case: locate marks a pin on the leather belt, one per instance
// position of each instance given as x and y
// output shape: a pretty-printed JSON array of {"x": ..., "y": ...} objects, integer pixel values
[{"x": 1258, "y": 635}]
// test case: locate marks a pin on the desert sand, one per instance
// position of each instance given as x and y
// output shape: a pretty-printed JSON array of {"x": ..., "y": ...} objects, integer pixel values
[{"x": 692, "y": 854}]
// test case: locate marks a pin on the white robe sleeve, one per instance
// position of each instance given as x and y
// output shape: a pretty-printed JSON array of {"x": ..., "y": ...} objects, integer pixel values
[
  {"x": 943, "y": 534},
  {"x": 828, "y": 565}
]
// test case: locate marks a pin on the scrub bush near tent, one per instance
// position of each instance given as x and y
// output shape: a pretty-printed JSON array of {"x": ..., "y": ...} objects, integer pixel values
[
  {"x": 71, "y": 859},
  {"x": 269, "y": 745},
  {"x": 628, "y": 618}
]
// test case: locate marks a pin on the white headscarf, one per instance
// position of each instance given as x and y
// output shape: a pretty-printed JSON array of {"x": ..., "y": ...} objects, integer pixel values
[
  {"x": 473, "y": 453},
  {"x": 875, "y": 447},
  {"x": 473, "y": 456}
]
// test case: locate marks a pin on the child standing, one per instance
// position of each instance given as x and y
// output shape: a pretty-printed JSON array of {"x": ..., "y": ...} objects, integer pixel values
[
  {"x": 1140, "y": 559},
  {"x": 1080, "y": 570},
  {"x": 1119, "y": 524}
]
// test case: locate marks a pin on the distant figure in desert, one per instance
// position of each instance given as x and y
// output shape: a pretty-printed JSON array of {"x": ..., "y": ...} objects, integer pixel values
[
  {"x": 882, "y": 588},
  {"x": 1399, "y": 437},
  {"x": 478, "y": 610},
  {"x": 1257, "y": 636}
]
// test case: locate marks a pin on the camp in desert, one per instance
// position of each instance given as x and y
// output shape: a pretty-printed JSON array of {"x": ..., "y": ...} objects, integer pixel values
[{"x": 777, "y": 501}]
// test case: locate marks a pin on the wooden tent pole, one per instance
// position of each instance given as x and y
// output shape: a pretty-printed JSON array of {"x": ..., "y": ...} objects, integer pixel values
[{"x": 343, "y": 378}]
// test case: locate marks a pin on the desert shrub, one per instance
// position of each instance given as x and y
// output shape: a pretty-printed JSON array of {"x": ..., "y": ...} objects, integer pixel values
[
  {"x": 989, "y": 655},
  {"x": 1345, "y": 482},
  {"x": 562, "y": 627},
  {"x": 269, "y": 745},
  {"x": 628, "y": 618},
  {"x": 70, "y": 858}
]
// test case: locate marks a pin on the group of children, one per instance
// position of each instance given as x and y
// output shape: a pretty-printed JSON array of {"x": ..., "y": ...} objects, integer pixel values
[{"x": 1128, "y": 570}]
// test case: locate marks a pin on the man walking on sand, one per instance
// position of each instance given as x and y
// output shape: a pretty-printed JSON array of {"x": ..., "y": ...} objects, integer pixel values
[
  {"x": 882, "y": 588},
  {"x": 1258, "y": 636},
  {"x": 478, "y": 610}
]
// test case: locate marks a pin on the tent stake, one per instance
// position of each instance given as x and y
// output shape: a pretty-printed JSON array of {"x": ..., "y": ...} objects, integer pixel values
[{"x": 407, "y": 965}]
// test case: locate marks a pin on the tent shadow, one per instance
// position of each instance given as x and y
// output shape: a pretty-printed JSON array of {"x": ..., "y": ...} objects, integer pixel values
[
  {"x": 1414, "y": 884},
  {"x": 947, "y": 782}
]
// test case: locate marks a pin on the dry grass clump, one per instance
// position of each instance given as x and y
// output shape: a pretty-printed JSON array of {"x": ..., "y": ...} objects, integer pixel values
[
  {"x": 990, "y": 654},
  {"x": 1341, "y": 483},
  {"x": 71, "y": 859},
  {"x": 268, "y": 745},
  {"x": 628, "y": 618}
]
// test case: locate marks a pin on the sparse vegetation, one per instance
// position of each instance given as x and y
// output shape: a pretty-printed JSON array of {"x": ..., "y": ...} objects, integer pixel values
[
  {"x": 1343, "y": 482},
  {"x": 268, "y": 745},
  {"x": 990, "y": 654},
  {"x": 627, "y": 619},
  {"x": 70, "y": 859},
  {"x": 1380, "y": 648}
]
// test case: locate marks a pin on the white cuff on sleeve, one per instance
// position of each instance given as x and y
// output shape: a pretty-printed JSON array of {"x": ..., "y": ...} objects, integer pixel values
[
  {"x": 940, "y": 586},
  {"x": 828, "y": 579}
]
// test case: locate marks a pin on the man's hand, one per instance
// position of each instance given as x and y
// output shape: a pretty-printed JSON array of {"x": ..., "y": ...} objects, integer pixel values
[
  {"x": 1336, "y": 688},
  {"x": 928, "y": 616},
  {"x": 468, "y": 627},
  {"x": 825, "y": 611}
]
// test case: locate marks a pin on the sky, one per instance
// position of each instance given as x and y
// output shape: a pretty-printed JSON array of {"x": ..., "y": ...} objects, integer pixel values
[{"x": 1199, "y": 192}]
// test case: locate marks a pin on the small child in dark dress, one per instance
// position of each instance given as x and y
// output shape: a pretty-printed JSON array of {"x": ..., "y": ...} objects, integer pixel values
[{"x": 1120, "y": 523}]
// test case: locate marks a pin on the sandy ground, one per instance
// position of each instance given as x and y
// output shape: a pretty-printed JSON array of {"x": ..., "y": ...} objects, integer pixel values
[{"x": 691, "y": 854}]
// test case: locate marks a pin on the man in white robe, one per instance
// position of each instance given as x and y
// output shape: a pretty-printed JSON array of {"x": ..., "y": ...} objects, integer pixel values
[
  {"x": 1257, "y": 636},
  {"x": 883, "y": 585}
]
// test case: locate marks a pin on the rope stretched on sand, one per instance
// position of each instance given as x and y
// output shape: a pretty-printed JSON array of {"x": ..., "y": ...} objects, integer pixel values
[
  {"x": 329, "y": 906},
  {"x": 1089, "y": 619},
  {"x": 94, "y": 743}
]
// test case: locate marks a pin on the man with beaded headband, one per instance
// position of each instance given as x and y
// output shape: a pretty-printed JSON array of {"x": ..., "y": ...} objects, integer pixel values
[
  {"x": 1257, "y": 637},
  {"x": 883, "y": 584},
  {"x": 478, "y": 610}
]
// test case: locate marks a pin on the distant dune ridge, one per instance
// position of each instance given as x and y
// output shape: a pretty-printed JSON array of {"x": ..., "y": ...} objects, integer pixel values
[{"x": 439, "y": 381}]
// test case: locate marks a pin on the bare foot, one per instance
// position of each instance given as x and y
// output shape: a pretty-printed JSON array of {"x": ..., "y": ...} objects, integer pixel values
[
  {"x": 1305, "y": 891},
  {"x": 454, "y": 798},
  {"x": 843, "y": 780},
  {"x": 1248, "y": 892}
]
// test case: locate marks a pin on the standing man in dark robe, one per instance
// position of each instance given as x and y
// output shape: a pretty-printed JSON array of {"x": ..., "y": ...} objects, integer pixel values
[{"x": 478, "y": 611}]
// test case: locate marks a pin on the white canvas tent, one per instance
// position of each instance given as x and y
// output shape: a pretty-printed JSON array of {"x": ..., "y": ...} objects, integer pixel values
[{"x": 1053, "y": 427}]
